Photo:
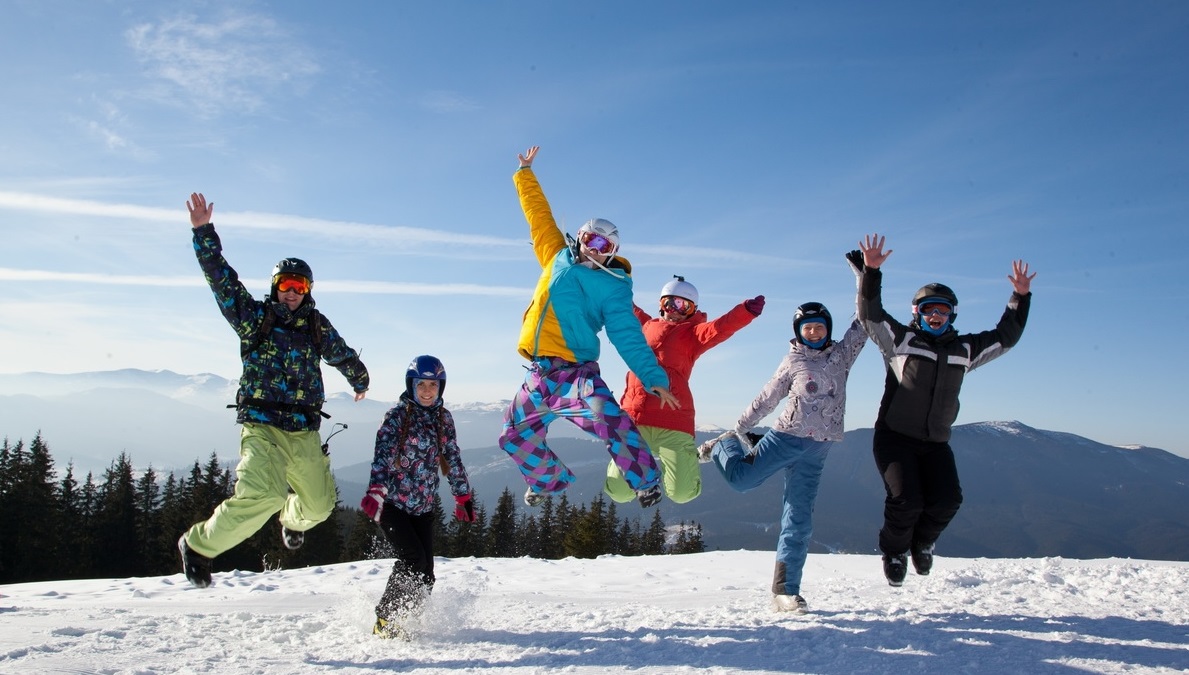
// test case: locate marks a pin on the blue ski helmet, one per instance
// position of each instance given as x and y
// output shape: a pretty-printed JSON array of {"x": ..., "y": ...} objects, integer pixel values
[
  {"x": 812, "y": 311},
  {"x": 425, "y": 367}
]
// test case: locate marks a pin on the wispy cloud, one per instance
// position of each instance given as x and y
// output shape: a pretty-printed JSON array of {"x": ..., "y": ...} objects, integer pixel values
[
  {"x": 229, "y": 64},
  {"x": 389, "y": 234},
  {"x": 340, "y": 286},
  {"x": 394, "y": 237}
]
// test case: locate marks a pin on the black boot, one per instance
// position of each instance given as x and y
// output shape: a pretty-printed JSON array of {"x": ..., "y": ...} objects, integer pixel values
[
  {"x": 196, "y": 566},
  {"x": 922, "y": 558},
  {"x": 292, "y": 539},
  {"x": 649, "y": 496},
  {"x": 895, "y": 568}
]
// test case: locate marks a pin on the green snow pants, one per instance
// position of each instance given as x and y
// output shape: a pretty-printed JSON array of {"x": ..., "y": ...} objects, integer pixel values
[
  {"x": 270, "y": 462},
  {"x": 680, "y": 473}
]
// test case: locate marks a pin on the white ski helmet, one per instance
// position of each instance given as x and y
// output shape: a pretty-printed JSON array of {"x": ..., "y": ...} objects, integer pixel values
[
  {"x": 605, "y": 228},
  {"x": 680, "y": 288}
]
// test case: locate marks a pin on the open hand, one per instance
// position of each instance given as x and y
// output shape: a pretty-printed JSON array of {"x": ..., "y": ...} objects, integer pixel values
[
  {"x": 1020, "y": 280},
  {"x": 873, "y": 253},
  {"x": 667, "y": 397},
  {"x": 526, "y": 160},
  {"x": 200, "y": 211}
]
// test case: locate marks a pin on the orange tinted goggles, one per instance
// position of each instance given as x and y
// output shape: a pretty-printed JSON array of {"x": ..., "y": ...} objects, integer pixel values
[
  {"x": 676, "y": 305},
  {"x": 293, "y": 282}
]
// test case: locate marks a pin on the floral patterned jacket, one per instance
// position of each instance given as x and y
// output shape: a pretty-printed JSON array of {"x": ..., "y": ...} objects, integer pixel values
[{"x": 411, "y": 445}]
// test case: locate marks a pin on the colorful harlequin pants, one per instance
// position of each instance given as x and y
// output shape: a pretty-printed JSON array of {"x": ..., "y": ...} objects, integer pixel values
[{"x": 552, "y": 389}]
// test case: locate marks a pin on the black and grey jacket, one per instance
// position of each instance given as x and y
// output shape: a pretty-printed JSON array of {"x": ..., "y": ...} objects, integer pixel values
[{"x": 925, "y": 372}]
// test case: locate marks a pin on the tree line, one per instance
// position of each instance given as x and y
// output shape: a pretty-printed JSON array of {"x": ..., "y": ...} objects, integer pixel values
[{"x": 122, "y": 524}]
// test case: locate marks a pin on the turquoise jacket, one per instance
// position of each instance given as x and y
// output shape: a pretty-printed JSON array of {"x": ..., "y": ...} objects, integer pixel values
[{"x": 572, "y": 302}]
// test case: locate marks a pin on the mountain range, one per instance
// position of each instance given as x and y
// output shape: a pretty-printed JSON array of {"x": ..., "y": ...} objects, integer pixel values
[{"x": 1028, "y": 492}]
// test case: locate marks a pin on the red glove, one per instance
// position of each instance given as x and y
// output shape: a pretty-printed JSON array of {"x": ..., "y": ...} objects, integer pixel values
[
  {"x": 755, "y": 305},
  {"x": 373, "y": 501},
  {"x": 464, "y": 510}
]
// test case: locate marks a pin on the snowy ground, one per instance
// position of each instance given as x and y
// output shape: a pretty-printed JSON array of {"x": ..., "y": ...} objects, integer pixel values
[{"x": 673, "y": 614}]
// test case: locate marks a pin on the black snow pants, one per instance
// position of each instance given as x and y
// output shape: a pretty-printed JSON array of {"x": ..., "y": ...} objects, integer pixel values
[
  {"x": 412, "y": 576},
  {"x": 923, "y": 493}
]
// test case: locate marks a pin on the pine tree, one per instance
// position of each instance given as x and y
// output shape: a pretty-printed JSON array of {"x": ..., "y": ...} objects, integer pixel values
[
  {"x": 469, "y": 539},
  {"x": 149, "y": 524},
  {"x": 502, "y": 539},
  {"x": 689, "y": 539},
  {"x": 540, "y": 542},
  {"x": 73, "y": 550},
  {"x": 116, "y": 520},
  {"x": 32, "y": 510},
  {"x": 175, "y": 520},
  {"x": 653, "y": 541},
  {"x": 588, "y": 536},
  {"x": 615, "y": 544},
  {"x": 553, "y": 545}
]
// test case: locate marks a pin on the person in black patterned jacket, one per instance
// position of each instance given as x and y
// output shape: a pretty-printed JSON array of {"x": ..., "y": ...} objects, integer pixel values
[
  {"x": 279, "y": 403},
  {"x": 926, "y": 362},
  {"x": 415, "y": 440}
]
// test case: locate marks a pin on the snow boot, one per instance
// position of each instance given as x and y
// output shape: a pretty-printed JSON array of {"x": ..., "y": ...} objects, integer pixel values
[
  {"x": 895, "y": 568},
  {"x": 389, "y": 630},
  {"x": 922, "y": 559},
  {"x": 196, "y": 567},
  {"x": 706, "y": 449},
  {"x": 649, "y": 496},
  {"x": 793, "y": 604},
  {"x": 534, "y": 499},
  {"x": 292, "y": 539}
]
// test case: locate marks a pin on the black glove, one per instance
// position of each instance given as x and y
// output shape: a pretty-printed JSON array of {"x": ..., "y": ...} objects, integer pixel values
[{"x": 855, "y": 258}]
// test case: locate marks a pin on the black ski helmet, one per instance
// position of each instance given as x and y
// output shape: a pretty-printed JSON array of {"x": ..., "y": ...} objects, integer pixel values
[
  {"x": 934, "y": 292},
  {"x": 812, "y": 310},
  {"x": 292, "y": 266},
  {"x": 425, "y": 367}
]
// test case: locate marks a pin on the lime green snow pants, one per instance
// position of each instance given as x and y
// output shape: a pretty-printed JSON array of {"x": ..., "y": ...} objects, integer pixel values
[
  {"x": 270, "y": 462},
  {"x": 680, "y": 473}
]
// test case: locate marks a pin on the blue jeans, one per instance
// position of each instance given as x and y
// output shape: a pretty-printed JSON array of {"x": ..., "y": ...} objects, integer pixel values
[{"x": 802, "y": 460}]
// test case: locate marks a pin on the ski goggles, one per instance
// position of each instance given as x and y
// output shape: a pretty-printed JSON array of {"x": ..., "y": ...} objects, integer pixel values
[
  {"x": 292, "y": 282},
  {"x": 677, "y": 305},
  {"x": 938, "y": 309},
  {"x": 596, "y": 242}
]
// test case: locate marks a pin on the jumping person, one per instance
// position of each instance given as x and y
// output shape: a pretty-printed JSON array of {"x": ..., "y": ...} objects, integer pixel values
[
  {"x": 813, "y": 377},
  {"x": 279, "y": 404},
  {"x": 584, "y": 286},
  {"x": 926, "y": 362},
  {"x": 678, "y": 336}
]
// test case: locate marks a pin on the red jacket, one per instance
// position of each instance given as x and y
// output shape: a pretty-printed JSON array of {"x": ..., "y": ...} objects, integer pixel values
[{"x": 677, "y": 347}]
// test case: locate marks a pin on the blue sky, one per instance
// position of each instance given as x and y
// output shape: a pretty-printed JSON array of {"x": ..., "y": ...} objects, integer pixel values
[{"x": 746, "y": 146}]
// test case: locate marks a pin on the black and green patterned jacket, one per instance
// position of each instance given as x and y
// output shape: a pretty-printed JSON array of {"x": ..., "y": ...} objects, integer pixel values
[{"x": 281, "y": 384}]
